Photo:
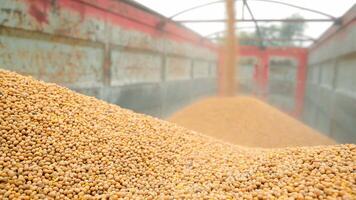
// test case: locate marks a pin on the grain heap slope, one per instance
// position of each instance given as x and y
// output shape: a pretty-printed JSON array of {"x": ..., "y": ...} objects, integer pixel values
[
  {"x": 247, "y": 121},
  {"x": 57, "y": 144}
]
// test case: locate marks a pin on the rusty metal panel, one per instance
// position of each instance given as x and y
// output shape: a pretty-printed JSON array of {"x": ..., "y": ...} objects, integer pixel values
[
  {"x": 89, "y": 24},
  {"x": 134, "y": 67},
  {"x": 50, "y": 61},
  {"x": 13, "y": 13},
  {"x": 72, "y": 24},
  {"x": 178, "y": 68},
  {"x": 188, "y": 50},
  {"x": 138, "y": 40},
  {"x": 134, "y": 39},
  {"x": 201, "y": 69},
  {"x": 41, "y": 16}
]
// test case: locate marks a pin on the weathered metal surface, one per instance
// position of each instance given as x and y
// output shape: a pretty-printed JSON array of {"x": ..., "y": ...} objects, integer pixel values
[
  {"x": 139, "y": 40},
  {"x": 331, "y": 93},
  {"x": 134, "y": 67},
  {"x": 43, "y": 16},
  {"x": 51, "y": 61},
  {"x": 13, "y": 13},
  {"x": 115, "y": 22},
  {"x": 178, "y": 68},
  {"x": 110, "y": 25},
  {"x": 105, "y": 48},
  {"x": 201, "y": 69}
]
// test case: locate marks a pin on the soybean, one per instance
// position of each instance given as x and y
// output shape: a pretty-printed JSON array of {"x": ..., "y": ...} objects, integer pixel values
[{"x": 58, "y": 144}]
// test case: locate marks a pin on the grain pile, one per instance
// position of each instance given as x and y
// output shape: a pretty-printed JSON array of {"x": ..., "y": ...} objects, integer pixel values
[
  {"x": 57, "y": 144},
  {"x": 247, "y": 121}
]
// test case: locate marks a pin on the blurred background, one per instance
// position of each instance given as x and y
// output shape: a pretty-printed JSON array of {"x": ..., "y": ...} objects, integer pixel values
[{"x": 156, "y": 57}]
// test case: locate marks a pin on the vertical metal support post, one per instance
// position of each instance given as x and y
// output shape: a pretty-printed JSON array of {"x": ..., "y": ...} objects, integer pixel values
[
  {"x": 333, "y": 105},
  {"x": 107, "y": 64},
  {"x": 301, "y": 80},
  {"x": 192, "y": 68},
  {"x": 264, "y": 64},
  {"x": 163, "y": 66}
]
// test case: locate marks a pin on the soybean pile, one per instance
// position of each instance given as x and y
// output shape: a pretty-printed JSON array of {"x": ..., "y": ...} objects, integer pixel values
[
  {"x": 247, "y": 121},
  {"x": 57, "y": 144}
]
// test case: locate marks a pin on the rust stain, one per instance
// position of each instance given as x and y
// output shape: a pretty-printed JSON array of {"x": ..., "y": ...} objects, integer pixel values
[
  {"x": 12, "y": 15},
  {"x": 38, "y": 14}
]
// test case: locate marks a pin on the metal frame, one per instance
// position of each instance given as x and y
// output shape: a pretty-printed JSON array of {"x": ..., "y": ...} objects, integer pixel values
[
  {"x": 301, "y": 38},
  {"x": 244, "y": 1},
  {"x": 259, "y": 20},
  {"x": 278, "y": 39},
  {"x": 330, "y": 18},
  {"x": 253, "y": 27},
  {"x": 255, "y": 22}
]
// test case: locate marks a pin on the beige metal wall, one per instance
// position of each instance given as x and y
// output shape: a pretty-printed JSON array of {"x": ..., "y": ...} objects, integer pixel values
[{"x": 109, "y": 49}]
